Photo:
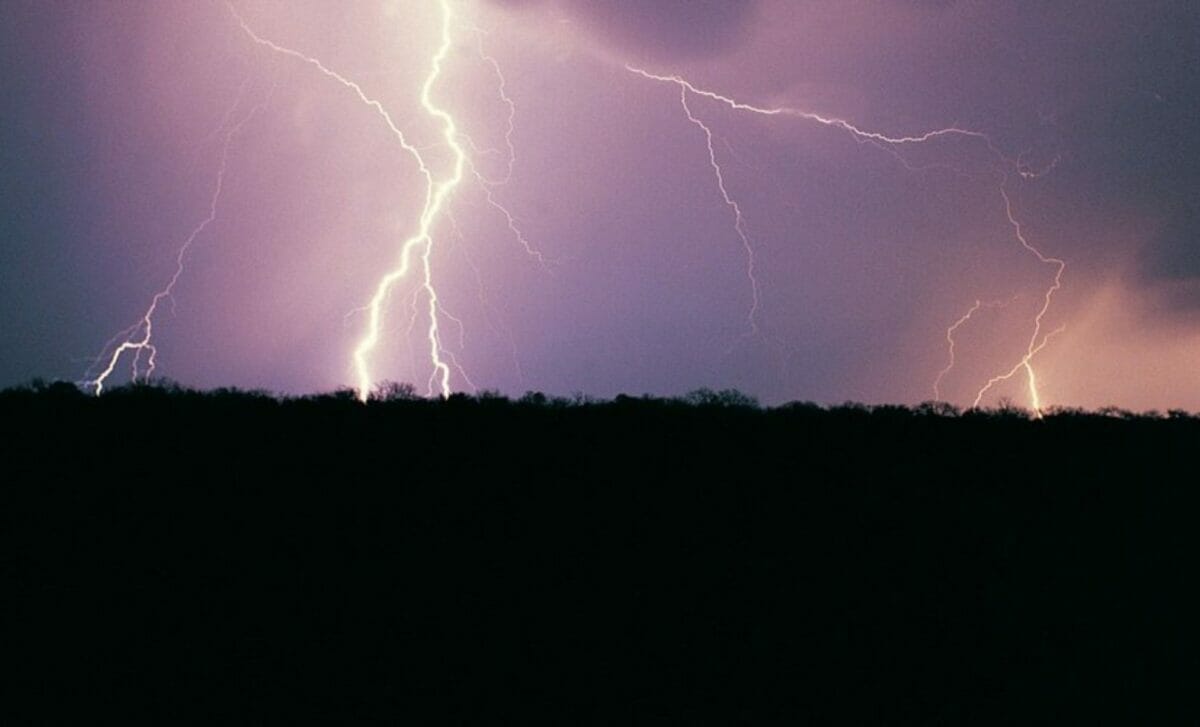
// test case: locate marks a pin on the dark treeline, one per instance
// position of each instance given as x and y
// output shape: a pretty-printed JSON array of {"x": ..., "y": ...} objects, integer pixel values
[{"x": 205, "y": 557}]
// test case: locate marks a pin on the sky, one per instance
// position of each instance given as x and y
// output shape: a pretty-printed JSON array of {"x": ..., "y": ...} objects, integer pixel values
[{"x": 627, "y": 271}]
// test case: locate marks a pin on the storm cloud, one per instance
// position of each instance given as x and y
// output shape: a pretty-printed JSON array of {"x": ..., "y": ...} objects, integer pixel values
[
  {"x": 661, "y": 29},
  {"x": 107, "y": 144}
]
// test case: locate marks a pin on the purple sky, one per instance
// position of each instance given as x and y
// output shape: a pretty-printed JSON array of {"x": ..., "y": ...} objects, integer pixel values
[{"x": 116, "y": 114}]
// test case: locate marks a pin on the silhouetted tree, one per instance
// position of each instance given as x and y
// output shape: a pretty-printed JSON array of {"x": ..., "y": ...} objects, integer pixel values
[
  {"x": 937, "y": 409},
  {"x": 392, "y": 391},
  {"x": 728, "y": 398},
  {"x": 533, "y": 398}
]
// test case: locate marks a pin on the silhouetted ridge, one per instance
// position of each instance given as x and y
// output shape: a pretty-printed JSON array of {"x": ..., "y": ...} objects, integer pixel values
[{"x": 234, "y": 556}]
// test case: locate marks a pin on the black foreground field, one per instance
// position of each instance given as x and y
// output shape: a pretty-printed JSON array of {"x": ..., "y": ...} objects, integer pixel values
[{"x": 230, "y": 558}]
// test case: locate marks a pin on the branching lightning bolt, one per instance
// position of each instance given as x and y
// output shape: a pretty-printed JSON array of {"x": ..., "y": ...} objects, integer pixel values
[
  {"x": 951, "y": 343},
  {"x": 440, "y": 188},
  {"x": 1024, "y": 363},
  {"x": 891, "y": 144},
  {"x": 739, "y": 222},
  {"x": 435, "y": 202},
  {"x": 833, "y": 121},
  {"x": 1034, "y": 345},
  {"x": 138, "y": 339},
  {"x": 937, "y": 383},
  {"x": 510, "y": 158},
  {"x": 510, "y": 122},
  {"x": 420, "y": 244},
  {"x": 416, "y": 250}
]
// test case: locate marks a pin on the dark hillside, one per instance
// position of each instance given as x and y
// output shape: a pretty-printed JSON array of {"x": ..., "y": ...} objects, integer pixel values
[{"x": 231, "y": 557}]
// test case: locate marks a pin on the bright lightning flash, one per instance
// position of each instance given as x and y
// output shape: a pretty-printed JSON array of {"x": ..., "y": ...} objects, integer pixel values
[
  {"x": 416, "y": 250},
  {"x": 435, "y": 203},
  {"x": 420, "y": 244}
]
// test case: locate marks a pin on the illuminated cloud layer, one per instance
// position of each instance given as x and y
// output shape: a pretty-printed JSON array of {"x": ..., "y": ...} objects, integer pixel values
[{"x": 805, "y": 200}]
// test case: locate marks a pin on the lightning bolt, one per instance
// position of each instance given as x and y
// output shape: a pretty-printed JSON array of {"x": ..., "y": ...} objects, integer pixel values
[
  {"x": 1035, "y": 346},
  {"x": 420, "y": 244},
  {"x": 435, "y": 201},
  {"x": 739, "y": 222},
  {"x": 373, "y": 308},
  {"x": 833, "y": 121},
  {"x": 951, "y": 344},
  {"x": 416, "y": 251},
  {"x": 1024, "y": 363},
  {"x": 510, "y": 157},
  {"x": 892, "y": 144},
  {"x": 138, "y": 338},
  {"x": 937, "y": 383},
  {"x": 510, "y": 123}
]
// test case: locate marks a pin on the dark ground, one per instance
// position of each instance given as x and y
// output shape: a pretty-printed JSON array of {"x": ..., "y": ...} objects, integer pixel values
[{"x": 228, "y": 558}]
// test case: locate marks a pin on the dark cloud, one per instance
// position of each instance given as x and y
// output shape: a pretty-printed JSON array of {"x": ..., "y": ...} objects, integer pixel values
[
  {"x": 1108, "y": 86},
  {"x": 659, "y": 28},
  {"x": 1174, "y": 251}
]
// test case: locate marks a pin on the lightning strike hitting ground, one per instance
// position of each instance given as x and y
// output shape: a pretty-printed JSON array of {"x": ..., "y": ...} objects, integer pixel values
[
  {"x": 138, "y": 339},
  {"x": 1024, "y": 363},
  {"x": 416, "y": 250},
  {"x": 889, "y": 143},
  {"x": 1035, "y": 397},
  {"x": 420, "y": 244},
  {"x": 435, "y": 202},
  {"x": 438, "y": 193},
  {"x": 937, "y": 383},
  {"x": 951, "y": 344}
]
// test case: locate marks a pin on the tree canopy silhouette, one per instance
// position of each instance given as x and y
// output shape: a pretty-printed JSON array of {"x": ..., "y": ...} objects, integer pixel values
[{"x": 230, "y": 555}]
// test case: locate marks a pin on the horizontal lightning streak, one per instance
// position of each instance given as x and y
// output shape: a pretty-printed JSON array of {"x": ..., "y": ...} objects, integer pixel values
[{"x": 810, "y": 116}]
